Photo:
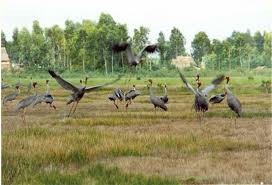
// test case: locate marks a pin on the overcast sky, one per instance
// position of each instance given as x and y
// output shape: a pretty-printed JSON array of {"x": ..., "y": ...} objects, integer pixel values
[{"x": 218, "y": 18}]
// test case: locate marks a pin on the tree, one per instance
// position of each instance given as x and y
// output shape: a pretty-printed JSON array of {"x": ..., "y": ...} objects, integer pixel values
[
  {"x": 24, "y": 47},
  {"x": 140, "y": 38},
  {"x": 162, "y": 47},
  {"x": 259, "y": 41},
  {"x": 38, "y": 48},
  {"x": 177, "y": 42},
  {"x": 217, "y": 49},
  {"x": 56, "y": 41},
  {"x": 200, "y": 46},
  {"x": 3, "y": 39},
  {"x": 268, "y": 48}
]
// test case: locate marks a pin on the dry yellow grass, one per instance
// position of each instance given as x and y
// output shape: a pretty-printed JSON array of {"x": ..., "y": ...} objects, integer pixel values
[{"x": 168, "y": 144}]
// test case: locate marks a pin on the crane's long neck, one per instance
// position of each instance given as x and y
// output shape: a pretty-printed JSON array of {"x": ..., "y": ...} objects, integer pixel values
[
  {"x": 18, "y": 90},
  {"x": 165, "y": 91},
  {"x": 150, "y": 91},
  {"x": 47, "y": 88},
  {"x": 227, "y": 89}
]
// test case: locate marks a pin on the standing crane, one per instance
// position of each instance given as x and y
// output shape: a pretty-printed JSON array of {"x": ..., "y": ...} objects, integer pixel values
[
  {"x": 133, "y": 59},
  {"x": 11, "y": 96},
  {"x": 46, "y": 97},
  {"x": 77, "y": 92},
  {"x": 26, "y": 102},
  {"x": 155, "y": 100},
  {"x": 233, "y": 102},
  {"x": 131, "y": 95},
  {"x": 117, "y": 94},
  {"x": 201, "y": 104}
]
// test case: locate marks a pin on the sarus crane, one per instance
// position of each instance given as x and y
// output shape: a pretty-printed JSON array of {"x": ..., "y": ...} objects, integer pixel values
[
  {"x": 77, "y": 92},
  {"x": 201, "y": 104}
]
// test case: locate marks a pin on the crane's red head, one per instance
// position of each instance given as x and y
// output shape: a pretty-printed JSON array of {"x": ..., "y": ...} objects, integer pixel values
[
  {"x": 197, "y": 77},
  {"x": 34, "y": 84},
  {"x": 46, "y": 81},
  {"x": 227, "y": 78},
  {"x": 199, "y": 84}
]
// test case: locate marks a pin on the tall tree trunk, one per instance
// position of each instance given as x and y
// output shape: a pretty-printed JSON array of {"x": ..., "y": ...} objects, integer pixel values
[
  {"x": 240, "y": 58},
  {"x": 83, "y": 63},
  {"x": 122, "y": 58},
  {"x": 229, "y": 60},
  {"x": 105, "y": 62},
  {"x": 112, "y": 62}
]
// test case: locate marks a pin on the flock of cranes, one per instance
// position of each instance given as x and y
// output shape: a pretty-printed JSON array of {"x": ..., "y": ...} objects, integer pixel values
[{"x": 200, "y": 103}]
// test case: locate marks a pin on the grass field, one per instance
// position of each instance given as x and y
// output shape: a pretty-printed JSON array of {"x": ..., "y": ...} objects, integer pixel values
[{"x": 102, "y": 145}]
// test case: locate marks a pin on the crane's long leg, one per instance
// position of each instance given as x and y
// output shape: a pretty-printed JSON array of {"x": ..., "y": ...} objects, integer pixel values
[
  {"x": 115, "y": 105},
  {"x": 75, "y": 108},
  {"x": 235, "y": 122},
  {"x": 24, "y": 120},
  {"x": 71, "y": 109},
  {"x": 128, "y": 103}
]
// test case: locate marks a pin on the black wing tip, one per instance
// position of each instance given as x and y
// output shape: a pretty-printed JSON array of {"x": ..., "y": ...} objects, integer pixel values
[
  {"x": 118, "y": 47},
  {"x": 52, "y": 73},
  {"x": 151, "y": 48}
]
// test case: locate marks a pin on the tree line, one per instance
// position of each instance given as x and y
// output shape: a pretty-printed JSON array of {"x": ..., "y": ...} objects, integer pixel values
[{"x": 87, "y": 46}]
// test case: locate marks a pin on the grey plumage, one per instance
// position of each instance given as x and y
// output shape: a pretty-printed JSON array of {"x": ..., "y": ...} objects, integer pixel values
[
  {"x": 233, "y": 103},
  {"x": 131, "y": 95},
  {"x": 77, "y": 92},
  {"x": 164, "y": 98},
  {"x": 4, "y": 86},
  {"x": 132, "y": 58},
  {"x": 201, "y": 102},
  {"x": 24, "y": 103},
  {"x": 218, "y": 98},
  {"x": 156, "y": 100},
  {"x": 117, "y": 94},
  {"x": 11, "y": 96},
  {"x": 46, "y": 97}
]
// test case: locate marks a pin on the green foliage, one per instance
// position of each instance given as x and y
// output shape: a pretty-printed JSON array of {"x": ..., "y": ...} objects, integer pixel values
[
  {"x": 86, "y": 46},
  {"x": 177, "y": 42},
  {"x": 266, "y": 86},
  {"x": 200, "y": 46}
]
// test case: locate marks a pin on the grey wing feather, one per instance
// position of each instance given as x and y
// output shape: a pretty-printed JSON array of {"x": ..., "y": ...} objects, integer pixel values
[
  {"x": 63, "y": 83},
  {"x": 234, "y": 104},
  {"x": 89, "y": 89},
  {"x": 130, "y": 55},
  {"x": 157, "y": 102},
  {"x": 186, "y": 83},
  {"x": 212, "y": 86},
  {"x": 25, "y": 102}
]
